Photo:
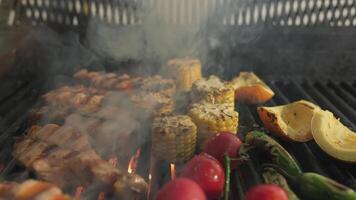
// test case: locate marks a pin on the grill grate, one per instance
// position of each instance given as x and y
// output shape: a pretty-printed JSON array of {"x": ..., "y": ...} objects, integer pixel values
[
  {"x": 339, "y": 97},
  {"x": 306, "y": 13}
]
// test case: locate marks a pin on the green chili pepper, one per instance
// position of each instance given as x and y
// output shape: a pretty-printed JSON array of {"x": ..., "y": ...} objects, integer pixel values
[
  {"x": 278, "y": 155},
  {"x": 317, "y": 187},
  {"x": 314, "y": 186},
  {"x": 271, "y": 176}
]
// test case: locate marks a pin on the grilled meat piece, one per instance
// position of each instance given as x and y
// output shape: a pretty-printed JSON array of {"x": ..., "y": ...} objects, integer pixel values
[
  {"x": 110, "y": 81},
  {"x": 63, "y": 156},
  {"x": 31, "y": 189},
  {"x": 75, "y": 96}
]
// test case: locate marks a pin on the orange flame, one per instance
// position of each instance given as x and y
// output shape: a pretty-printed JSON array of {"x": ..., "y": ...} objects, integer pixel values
[
  {"x": 79, "y": 190},
  {"x": 133, "y": 162},
  {"x": 173, "y": 171}
]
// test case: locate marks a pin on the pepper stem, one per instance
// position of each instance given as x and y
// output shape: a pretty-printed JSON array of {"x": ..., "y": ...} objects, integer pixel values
[{"x": 227, "y": 177}]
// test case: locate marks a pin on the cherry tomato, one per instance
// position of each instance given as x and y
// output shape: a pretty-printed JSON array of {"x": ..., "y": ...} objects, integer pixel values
[
  {"x": 266, "y": 192},
  {"x": 181, "y": 189},
  {"x": 207, "y": 172},
  {"x": 221, "y": 144}
]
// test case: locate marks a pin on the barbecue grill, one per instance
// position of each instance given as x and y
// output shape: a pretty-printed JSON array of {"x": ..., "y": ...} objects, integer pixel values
[{"x": 303, "y": 49}]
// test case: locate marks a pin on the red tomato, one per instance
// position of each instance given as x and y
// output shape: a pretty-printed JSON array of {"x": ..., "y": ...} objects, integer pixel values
[
  {"x": 181, "y": 189},
  {"x": 207, "y": 172},
  {"x": 223, "y": 143},
  {"x": 266, "y": 192}
]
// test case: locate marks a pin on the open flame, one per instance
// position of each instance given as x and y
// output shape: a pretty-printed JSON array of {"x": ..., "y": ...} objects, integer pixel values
[
  {"x": 134, "y": 162},
  {"x": 173, "y": 171}
]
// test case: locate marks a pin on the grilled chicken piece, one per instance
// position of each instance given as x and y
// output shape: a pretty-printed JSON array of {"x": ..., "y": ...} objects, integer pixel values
[
  {"x": 75, "y": 96},
  {"x": 63, "y": 156},
  {"x": 31, "y": 189},
  {"x": 104, "y": 80}
]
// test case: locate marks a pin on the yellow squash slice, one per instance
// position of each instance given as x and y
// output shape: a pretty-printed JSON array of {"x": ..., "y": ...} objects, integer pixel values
[
  {"x": 333, "y": 137},
  {"x": 249, "y": 88},
  {"x": 291, "y": 121}
]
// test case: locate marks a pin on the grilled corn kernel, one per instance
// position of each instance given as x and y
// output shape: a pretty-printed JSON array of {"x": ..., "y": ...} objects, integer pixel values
[
  {"x": 213, "y": 118},
  {"x": 213, "y": 90},
  {"x": 185, "y": 71},
  {"x": 174, "y": 138}
]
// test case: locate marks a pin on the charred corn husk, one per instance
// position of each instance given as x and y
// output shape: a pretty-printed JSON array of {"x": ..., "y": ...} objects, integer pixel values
[
  {"x": 213, "y": 90},
  {"x": 174, "y": 137},
  {"x": 185, "y": 72},
  {"x": 213, "y": 118}
]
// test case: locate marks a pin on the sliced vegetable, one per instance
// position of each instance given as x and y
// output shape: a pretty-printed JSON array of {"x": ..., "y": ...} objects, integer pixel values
[
  {"x": 290, "y": 121},
  {"x": 316, "y": 187},
  {"x": 271, "y": 176},
  {"x": 333, "y": 137},
  {"x": 249, "y": 88},
  {"x": 181, "y": 189},
  {"x": 266, "y": 192},
  {"x": 207, "y": 172},
  {"x": 221, "y": 144},
  {"x": 278, "y": 155}
]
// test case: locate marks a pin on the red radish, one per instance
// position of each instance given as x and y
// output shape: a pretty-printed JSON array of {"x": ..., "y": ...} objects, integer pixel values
[
  {"x": 266, "y": 192},
  {"x": 221, "y": 144},
  {"x": 207, "y": 172},
  {"x": 181, "y": 189}
]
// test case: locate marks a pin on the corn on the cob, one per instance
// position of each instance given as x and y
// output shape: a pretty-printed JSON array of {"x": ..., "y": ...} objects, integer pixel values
[
  {"x": 185, "y": 71},
  {"x": 174, "y": 138},
  {"x": 157, "y": 84},
  {"x": 213, "y": 118},
  {"x": 213, "y": 90},
  {"x": 154, "y": 103}
]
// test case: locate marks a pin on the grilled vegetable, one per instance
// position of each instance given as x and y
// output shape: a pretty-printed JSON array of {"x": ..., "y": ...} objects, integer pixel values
[
  {"x": 207, "y": 172},
  {"x": 181, "y": 189},
  {"x": 271, "y": 176},
  {"x": 278, "y": 155},
  {"x": 314, "y": 186},
  {"x": 291, "y": 121},
  {"x": 212, "y": 119},
  {"x": 174, "y": 137},
  {"x": 333, "y": 137},
  {"x": 185, "y": 72},
  {"x": 251, "y": 89},
  {"x": 213, "y": 90},
  {"x": 266, "y": 192}
]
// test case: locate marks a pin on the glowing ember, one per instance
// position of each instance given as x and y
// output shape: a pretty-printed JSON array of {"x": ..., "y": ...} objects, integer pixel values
[
  {"x": 173, "y": 171},
  {"x": 78, "y": 192},
  {"x": 101, "y": 196},
  {"x": 133, "y": 162}
]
